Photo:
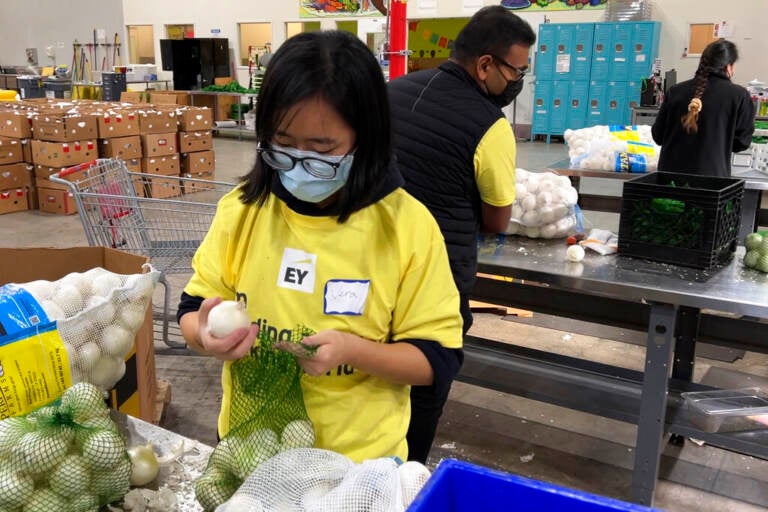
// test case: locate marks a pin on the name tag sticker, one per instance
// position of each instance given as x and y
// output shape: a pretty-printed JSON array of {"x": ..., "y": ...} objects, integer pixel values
[{"x": 345, "y": 297}]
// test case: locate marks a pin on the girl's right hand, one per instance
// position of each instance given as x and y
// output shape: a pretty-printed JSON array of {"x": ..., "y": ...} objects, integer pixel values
[{"x": 233, "y": 346}]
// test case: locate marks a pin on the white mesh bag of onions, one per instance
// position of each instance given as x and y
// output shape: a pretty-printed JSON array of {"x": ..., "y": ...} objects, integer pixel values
[
  {"x": 97, "y": 314},
  {"x": 544, "y": 205},
  {"x": 315, "y": 480}
]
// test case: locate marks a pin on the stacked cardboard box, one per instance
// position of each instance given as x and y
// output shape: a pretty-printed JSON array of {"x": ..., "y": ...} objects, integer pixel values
[
  {"x": 16, "y": 172},
  {"x": 61, "y": 138},
  {"x": 196, "y": 142},
  {"x": 118, "y": 129},
  {"x": 160, "y": 150}
]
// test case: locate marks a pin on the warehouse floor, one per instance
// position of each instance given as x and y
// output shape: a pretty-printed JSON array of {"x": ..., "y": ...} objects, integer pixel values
[{"x": 537, "y": 440}]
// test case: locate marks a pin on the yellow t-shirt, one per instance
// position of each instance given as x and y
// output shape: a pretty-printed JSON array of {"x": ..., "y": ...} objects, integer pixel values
[
  {"x": 383, "y": 275},
  {"x": 495, "y": 164}
]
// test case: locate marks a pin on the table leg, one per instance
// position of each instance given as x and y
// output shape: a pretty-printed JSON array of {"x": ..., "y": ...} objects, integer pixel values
[
  {"x": 685, "y": 342},
  {"x": 653, "y": 403}
]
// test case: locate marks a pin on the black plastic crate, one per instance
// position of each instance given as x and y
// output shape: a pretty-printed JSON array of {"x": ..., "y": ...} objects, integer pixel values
[{"x": 682, "y": 219}]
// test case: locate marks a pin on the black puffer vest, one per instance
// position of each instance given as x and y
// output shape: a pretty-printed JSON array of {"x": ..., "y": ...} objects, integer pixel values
[{"x": 439, "y": 117}]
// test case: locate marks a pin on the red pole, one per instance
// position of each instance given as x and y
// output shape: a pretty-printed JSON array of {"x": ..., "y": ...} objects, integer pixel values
[{"x": 398, "y": 37}]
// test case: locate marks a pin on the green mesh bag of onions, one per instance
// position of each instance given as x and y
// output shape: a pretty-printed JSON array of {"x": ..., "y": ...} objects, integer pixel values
[
  {"x": 267, "y": 417},
  {"x": 67, "y": 456}
]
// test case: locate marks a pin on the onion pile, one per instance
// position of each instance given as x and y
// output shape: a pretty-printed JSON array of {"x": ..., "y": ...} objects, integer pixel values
[
  {"x": 543, "y": 206},
  {"x": 66, "y": 456}
]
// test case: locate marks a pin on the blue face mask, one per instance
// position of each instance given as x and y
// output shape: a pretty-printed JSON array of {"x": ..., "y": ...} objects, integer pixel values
[{"x": 308, "y": 176}]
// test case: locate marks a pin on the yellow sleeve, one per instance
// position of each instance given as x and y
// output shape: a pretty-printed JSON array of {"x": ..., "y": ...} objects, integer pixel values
[
  {"x": 427, "y": 305},
  {"x": 495, "y": 164},
  {"x": 211, "y": 263}
]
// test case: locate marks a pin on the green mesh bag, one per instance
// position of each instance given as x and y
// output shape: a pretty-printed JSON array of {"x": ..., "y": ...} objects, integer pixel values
[
  {"x": 65, "y": 456},
  {"x": 267, "y": 416}
]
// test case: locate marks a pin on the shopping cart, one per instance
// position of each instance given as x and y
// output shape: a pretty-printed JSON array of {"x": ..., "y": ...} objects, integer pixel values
[{"x": 162, "y": 217}]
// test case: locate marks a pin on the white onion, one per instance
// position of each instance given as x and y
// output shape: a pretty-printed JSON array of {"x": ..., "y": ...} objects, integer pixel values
[
  {"x": 52, "y": 310},
  {"x": 41, "y": 290},
  {"x": 144, "y": 465},
  {"x": 548, "y": 230},
  {"x": 68, "y": 298},
  {"x": 139, "y": 287},
  {"x": 512, "y": 228},
  {"x": 544, "y": 198},
  {"x": 17, "y": 488},
  {"x": 132, "y": 316},
  {"x": 298, "y": 434},
  {"x": 532, "y": 232},
  {"x": 226, "y": 317},
  {"x": 71, "y": 477},
  {"x": 88, "y": 355},
  {"x": 105, "y": 283},
  {"x": 531, "y": 218},
  {"x": 575, "y": 253},
  {"x": 79, "y": 281},
  {"x": 107, "y": 371},
  {"x": 520, "y": 190},
  {"x": 103, "y": 308},
  {"x": 103, "y": 449},
  {"x": 546, "y": 214},
  {"x": 528, "y": 202},
  {"x": 116, "y": 341}
]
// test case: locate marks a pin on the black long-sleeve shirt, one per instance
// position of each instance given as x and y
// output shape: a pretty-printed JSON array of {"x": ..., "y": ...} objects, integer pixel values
[{"x": 726, "y": 124}]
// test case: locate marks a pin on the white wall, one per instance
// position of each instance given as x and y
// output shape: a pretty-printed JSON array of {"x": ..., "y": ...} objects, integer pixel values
[{"x": 42, "y": 23}]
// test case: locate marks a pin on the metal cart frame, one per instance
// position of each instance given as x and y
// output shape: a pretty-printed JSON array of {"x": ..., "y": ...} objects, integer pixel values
[{"x": 162, "y": 217}]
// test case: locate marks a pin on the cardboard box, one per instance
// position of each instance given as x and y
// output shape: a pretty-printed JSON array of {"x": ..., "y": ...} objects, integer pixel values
[
  {"x": 55, "y": 200},
  {"x": 169, "y": 97},
  {"x": 133, "y": 164},
  {"x": 190, "y": 186},
  {"x": 196, "y": 119},
  {"x": 134, "y": 97},
  {"x": 26, "y": 150},
  {"x": 135, "y": 393},
  {"x": 124, "y": 148},
  {"x": 169, "y": 164},
  {"x": 117, "y": 123},
  {"x": 197, "y": 162},
  {"x": 161, "y": 188},
  {"x": 15, "y": 124},
  {"x": 16, "y": 175},
  {"x": 157, "y": 121},
  {"x": 63, "y": 128},
  {"x": 159, "y": 144},
  {"x": 14, "y": 200},
  {"x": 223, "y": 104},
  {"x": 63, "y": 154},
  {"x": 195, "y": 141},
  {"x": 43, "y": 175},
  {"x": 11, "y": 151}
]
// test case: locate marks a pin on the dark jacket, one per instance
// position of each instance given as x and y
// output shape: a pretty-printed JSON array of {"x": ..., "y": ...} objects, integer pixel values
[
  {"x": 726, "y": 124},
  {"x": 439, "y": 117}
]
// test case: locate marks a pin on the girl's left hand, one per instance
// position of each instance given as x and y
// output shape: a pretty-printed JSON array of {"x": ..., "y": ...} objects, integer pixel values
[{"x": 332, "y": 349}]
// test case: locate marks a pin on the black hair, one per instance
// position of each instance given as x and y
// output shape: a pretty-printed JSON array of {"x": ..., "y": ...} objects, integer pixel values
[
  {"x": 714, "y": 59},
  {"x": 492, "y": 30},
  {"x": 337, "y": 67}
]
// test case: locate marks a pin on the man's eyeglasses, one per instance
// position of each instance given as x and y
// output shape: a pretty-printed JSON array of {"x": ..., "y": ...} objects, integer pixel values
[
  {"x": 283, "y": 161},
  {"x": 520, "y": 73}
]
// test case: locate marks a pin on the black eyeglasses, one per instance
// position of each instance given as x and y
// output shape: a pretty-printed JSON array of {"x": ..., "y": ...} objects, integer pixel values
[
  {"x": 317, "y": 167},
  {"x": 520, "y": 72}
]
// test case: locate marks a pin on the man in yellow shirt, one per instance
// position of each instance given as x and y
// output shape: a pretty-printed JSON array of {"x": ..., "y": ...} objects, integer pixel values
[{"x": 456, "y": 151}]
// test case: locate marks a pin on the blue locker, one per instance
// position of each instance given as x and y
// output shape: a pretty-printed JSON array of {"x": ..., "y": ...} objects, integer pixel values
[
  {"x": 601, "y": 51},
  {"x": 645, "y": 48},
  {"x": 596, "y": 112},
  {"x": 581, "y": 55},
  {"x": 542, "y": 98},
  {"x": 564, "y": 56},
  {"x": 621, "y": 46},
  {"x": 578, "y": 102},
  {"x": 545, "y": 54},
  {"x": 616, "y": 109},
  {"x": 558, "y": 113},
  {"x": 633, "y": 94}
]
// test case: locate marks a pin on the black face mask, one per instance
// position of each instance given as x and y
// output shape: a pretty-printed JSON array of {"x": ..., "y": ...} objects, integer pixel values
[{"x": 509, "y": 93}]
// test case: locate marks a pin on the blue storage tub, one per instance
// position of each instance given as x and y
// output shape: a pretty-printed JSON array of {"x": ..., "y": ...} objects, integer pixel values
[{"x": 458, "y": 486}]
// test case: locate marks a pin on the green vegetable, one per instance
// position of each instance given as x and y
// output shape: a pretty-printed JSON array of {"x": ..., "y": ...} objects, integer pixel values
[
  {"x": 753, "y": 241},
  {"x": 750, "y": 259}
]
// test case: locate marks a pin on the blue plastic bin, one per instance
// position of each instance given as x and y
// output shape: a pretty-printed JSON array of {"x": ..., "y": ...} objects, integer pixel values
[{"x": 458, "y": 486}]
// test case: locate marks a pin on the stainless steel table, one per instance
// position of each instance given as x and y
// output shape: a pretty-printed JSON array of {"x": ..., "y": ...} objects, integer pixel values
[{"x": 665, "y": 301}]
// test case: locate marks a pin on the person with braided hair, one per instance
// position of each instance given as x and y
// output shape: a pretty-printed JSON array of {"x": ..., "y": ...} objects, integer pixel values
[{"x": 704, "y": 120}]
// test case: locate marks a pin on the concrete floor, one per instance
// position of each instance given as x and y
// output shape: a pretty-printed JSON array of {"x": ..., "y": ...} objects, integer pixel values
[{"x": 493, "y": 429}]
